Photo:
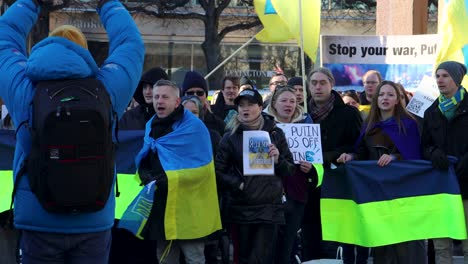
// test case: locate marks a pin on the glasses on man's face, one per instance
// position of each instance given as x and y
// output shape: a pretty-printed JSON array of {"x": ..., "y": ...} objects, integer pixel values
[
  {"x": 278, "y": 83},
  {"x": 198, "y": 93}
]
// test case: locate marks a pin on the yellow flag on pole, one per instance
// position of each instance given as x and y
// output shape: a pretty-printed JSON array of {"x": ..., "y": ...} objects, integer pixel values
[
  {"x": 274, "y": 29},
  {"x": 290, "y": 13},
  {"x": 452, "y": 31},
  {"x": 281, "y": 22}
]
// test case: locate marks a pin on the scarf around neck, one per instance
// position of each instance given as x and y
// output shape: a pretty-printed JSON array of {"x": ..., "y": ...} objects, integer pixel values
[
  {"x": 320, "y": 113},
  {"x": 255, "y": 124},
  {"x": 447, "y": 104}
]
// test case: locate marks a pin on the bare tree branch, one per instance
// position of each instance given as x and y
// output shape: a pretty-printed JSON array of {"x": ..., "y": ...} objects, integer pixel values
[{"x": 240, "y": 26}]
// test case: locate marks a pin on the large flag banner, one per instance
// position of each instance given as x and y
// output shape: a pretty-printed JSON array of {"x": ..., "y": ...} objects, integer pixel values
[
  {"x": 452, "y": 32},
  {"x": 367, "y": 205},
  {"x": 129, "y": 185},
  {"x": 192, "y": 209},
  {"x": 281, "y": 22},
  {"x": 402, "y": 59}
]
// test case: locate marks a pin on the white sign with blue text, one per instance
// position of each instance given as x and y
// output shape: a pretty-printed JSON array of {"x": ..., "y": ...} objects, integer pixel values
[{"x": 304, "y": 142}]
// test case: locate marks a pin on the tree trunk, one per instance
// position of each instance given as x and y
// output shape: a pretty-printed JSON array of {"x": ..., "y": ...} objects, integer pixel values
[
  {"x": 212, "y": 48},
  {"x": 41, "y": 28}
]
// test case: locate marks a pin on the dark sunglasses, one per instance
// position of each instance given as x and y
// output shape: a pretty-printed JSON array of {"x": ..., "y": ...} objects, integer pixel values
[{"x": 198, "y": 93}]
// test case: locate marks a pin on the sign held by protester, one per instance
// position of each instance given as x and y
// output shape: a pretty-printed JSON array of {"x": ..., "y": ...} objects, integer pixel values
[
  {"x": 304, "y": 142},
  {"x": 424, "y": 96},
  {"x": 255, "y": 153}
]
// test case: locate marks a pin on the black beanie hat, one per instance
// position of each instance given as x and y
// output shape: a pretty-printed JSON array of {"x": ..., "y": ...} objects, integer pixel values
[
  {"x": 456, "y": 70},
  {"x": 295, "y": 81},
  {"x": 149, "y": 77},
  {"x": 194, "y": 79}
]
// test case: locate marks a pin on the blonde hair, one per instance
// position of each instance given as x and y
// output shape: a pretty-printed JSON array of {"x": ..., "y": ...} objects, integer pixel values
[
  {"x": 71, "y": 33},
  {"x": 298, "y": 110}
]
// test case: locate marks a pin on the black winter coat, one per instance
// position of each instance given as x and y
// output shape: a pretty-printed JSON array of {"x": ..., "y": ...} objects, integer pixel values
[
  {"x": 136, "y": 118},
  {"x": 213, "y": 122},
  {"x": 339, "y": 130},
  {"x": 260, "y": 200},
  {"x": 449, "y": 136}
]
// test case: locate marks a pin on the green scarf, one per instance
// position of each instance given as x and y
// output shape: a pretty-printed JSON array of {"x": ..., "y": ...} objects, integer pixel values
[{"x": 447, "y": 106}]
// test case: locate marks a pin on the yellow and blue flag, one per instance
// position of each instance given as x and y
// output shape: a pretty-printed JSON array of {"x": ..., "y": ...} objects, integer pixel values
[
  {"x": 281, "y": 22},
  {"x": 368, "y": 205},
  {"x": 192, "y": 209},
  {"x": 193, "y": 201},
  {"x": 452, "y": 31}
]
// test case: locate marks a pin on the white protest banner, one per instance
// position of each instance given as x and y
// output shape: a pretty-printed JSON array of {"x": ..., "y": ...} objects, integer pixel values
[
  {"x": 424, "y": 96},
  {"x": 304, "y": 141},
  {"x": 255, "y": 153},
  {"x": 403, "y": 59}
]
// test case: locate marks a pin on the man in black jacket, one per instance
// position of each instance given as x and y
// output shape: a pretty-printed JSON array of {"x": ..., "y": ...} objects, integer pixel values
[
  {"x": 225, "y": 101},
  {"x": 445, "y": 126},
  {"x": 195, "y": 84},
  {"x": 339, "y": 127},
  {"x": 136, "y": 118}
]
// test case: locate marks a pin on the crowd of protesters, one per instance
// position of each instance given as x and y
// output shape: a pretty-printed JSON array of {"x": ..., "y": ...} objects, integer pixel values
[{"x": 260, "y": 216}]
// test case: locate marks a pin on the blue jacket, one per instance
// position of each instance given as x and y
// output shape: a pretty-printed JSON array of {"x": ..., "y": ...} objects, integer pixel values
[{"x": 59, "y": 58}]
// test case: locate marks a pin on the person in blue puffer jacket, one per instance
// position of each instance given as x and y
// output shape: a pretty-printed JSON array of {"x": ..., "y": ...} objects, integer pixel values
[{"x": 48, "y": 237}]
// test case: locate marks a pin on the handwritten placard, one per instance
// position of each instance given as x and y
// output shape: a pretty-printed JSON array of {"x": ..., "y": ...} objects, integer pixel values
[{"x": 304, "y": 141}]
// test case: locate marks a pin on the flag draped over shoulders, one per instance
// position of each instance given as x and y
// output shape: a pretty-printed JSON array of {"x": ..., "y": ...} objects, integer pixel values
[
  {"x": 368, "y": 205},
  {"x": 407, "y": 141},
  {"x": 452, "y": 31},
  {"x": 192, "y": 209}
]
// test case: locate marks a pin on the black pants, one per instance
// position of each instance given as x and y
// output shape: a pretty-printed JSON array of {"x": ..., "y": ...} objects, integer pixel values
[
  {"x": 358, "y": 257},
  {"x": 411, "y": 252},
  {"x": 256, "y": 243},
  {"x": 293, "y": 213},
  {"x": 126, "y": 248}
]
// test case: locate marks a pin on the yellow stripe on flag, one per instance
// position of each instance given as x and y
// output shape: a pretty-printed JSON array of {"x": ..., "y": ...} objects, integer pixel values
[
  {"x": 274, "y": 29},
  {"x": 192, "y": 209}
]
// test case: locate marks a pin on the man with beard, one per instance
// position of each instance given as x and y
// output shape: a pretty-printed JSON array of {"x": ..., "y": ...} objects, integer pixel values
[{"x": 136, "y": 118}]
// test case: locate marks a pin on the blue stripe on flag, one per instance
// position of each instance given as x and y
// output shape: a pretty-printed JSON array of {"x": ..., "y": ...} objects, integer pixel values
[
  {"x": 269, "y": 9},
  {"x": 365, "y": 181}
]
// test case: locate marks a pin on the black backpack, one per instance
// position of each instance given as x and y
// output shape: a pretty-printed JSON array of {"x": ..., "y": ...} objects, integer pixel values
[{"x": 71, "y": 164}]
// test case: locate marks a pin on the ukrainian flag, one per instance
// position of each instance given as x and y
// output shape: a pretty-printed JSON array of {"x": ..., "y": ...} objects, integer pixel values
[
  {"x": 274, "y": 29},
  {"x": 192, "y": 209},
  {"x": 452, "y": 32},
  {"x": 281, "y": 22},
  {"x": 367, "y": 205}
]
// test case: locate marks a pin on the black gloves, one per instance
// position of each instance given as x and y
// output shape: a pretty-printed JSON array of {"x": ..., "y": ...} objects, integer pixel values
[
  {"x": 439, "y": 159},
  {"x": 461, "y": 169}
]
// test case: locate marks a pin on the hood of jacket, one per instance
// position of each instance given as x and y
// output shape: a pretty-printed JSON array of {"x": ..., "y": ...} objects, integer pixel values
[
  {"x": 149, "y": 77},
  {"x": 56, "y": 58}
]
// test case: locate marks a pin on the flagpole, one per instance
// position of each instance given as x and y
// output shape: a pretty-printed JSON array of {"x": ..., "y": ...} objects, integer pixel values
[
  {"x": 304, "y": 77},
  {"x": 230, "y": 56}
]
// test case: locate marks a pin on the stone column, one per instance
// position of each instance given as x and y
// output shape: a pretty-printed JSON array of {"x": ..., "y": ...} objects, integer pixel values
[{"x": 401, "y": 17}]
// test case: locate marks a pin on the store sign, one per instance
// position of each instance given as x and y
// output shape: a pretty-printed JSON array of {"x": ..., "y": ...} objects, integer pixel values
[{"x": 250, "y": 73}]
